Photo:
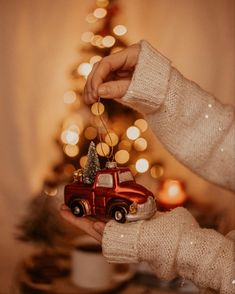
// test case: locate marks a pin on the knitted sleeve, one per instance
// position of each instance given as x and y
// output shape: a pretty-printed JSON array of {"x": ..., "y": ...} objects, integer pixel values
[
  {"x": 195, "y": 128},
  {"x": 174, "y": 245}
]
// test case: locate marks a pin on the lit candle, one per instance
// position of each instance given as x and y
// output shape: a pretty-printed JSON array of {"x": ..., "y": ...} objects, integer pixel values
[{"x": 171, "y": 194}]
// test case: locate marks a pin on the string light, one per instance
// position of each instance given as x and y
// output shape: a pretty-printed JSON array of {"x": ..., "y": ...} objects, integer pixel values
[
  {"x": 100, "y": 12},
  {"x": 87, "y": 37},
  {"x": 120, "y": 30},
  {"x": 122, "y": 156},
  {"x": 132, "y": 133},
  {"x": 71, "y": 150},
  {"x": 141, "y": 124},
  {"x": 69, "y": 97},
  {"x": 97, "y": 108},
  {"x": 108, "y": 41},
  {"x": 142, "y": 165},
  {"x": 140, "y": 144},
  {"x": 111, "y": 139},
  {"x": 102, "y": 149},
  {"x": 84, "y": 69}
]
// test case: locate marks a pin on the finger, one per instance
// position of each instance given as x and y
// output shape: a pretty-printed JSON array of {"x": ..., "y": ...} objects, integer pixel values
[
  {"x": 114, "y": 89},
  {"x": 90, "y": 98},
  {"x": 99, "y": 227}
]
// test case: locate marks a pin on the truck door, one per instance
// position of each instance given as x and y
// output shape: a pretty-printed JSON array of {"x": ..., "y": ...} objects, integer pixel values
[{"x": 104, "y": 185}]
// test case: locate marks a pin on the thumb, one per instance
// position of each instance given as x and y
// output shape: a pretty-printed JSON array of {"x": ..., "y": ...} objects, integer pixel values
[{"x": 113, "y": 89}]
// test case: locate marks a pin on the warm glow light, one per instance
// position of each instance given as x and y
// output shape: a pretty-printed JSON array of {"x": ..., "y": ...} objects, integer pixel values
[
  {"x": 97, "y": 41},
  {"x": 83, "y": 161},
  {"x": 69, "y": 97},
  {"x": 122, "y": 156},
  {"x": 120, "y": 30},
  {"x": 172, "y": 193},
  {"x": 102, "y": 149},
  {"x": 70, "y": 137},
  {"x": 156, "y": 171},
  {"x": 116, "y": 49},
  {"x": 97, "y": 108},
  {"x": 142, "y": 165},
  {"x": 71, "y": 150},
  {"x": 100, "y": 12},
  {"x": 95, "y": 59},
  {"x": 125, "y": 144},
  {"x": 102, "y": 3},
  {"x": 140, "y": 144},
  {"x": 51, "y": 191},
  {"x": 84, "y": 69},
  {"x": 133, "y": 133},
  {"x": 90, "y": 133},
  {"x": 69, "y": 169},
  {"x": 111, "y": 139},
  {"x": 90, "y": 18},
  {"x": 141, "y": 124},
  {"x": 87, "y": 37},
  {"x": 108, "y": 41}
]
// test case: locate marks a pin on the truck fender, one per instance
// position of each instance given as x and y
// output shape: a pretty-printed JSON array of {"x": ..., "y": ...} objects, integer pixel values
[
  {"x": 117, "y": 202},
  {"x": 85, "y": 204}
]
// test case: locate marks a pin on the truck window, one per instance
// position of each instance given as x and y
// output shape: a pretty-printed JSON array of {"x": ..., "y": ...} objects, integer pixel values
[
  {"x": 125, "y": 177},
  {"x": 105, "y": 180}
]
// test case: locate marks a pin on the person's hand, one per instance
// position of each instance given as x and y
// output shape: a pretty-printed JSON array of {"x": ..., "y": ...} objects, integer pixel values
[
  {"x": 111, "y": 77},
  {"x": 94, "y": 228}
]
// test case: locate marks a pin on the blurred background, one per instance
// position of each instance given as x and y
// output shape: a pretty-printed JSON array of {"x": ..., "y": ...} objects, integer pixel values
[{"x": 47, "y": 49}]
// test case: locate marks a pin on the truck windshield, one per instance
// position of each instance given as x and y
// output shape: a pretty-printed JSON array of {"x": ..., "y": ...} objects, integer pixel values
[{"x": 125, "y": 177}]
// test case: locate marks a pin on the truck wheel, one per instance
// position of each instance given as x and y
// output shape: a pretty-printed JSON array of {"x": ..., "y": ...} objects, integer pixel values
[
  {"x": 119, "y": 214},
  {"x": 77, "y": 208}
]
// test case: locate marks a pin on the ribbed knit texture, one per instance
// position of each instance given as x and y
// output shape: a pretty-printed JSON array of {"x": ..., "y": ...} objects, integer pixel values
[{"x": 200, "y": 132}]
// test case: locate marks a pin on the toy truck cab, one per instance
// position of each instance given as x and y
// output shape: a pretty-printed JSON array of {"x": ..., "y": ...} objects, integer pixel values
[{"x": 114, "y": 194}]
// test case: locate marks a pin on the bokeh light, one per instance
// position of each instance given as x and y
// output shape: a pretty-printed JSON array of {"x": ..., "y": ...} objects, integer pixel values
[
  {"x": 111, "y": 139},
  {"x": 108, "y": 41},
  {"x": 122, "y": 156},
  {"x": 125, "y": 144},
  {"x": 97, "y": 41},
  {"x": 102, "y": 3},
  {"x": 132, "y": 133},
  {"x": 156, "y": 171},
  {"x": 90, "y": 18},
  {"x": 83, "y": 161},
  {"x": 84, "y": 69},
  {"x": 90, "y": 133},
  {"x": 87, "y": 37},
  {"x": 68, "y": 169},
  {"x": 70, "y": 137},
  {"x": 71, "y": 150},
  {"x": 142, "y": 165},
  {"x": 133, "y": 169},
  {"x": 51, "y": 191},
  {"x": 120, "y": 30},
  {"x": 100, "y": 12},
  {"x": 69, "y": 97},
  {"x": 97, "y": 108},
  {"x": 102, "y": 149},
  {"x": 172, "y": 193},
  {"x": 95, "y": 59},
  {"x": 140, "y": 144},
  {"x": 141, "y": 124}
]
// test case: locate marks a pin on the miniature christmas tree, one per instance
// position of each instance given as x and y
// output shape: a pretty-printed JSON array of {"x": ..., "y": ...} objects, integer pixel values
[{"x": 92, "y": 165}]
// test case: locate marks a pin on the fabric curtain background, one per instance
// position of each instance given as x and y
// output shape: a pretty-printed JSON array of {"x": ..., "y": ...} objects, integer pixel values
[{"x": 39, "y": 43}]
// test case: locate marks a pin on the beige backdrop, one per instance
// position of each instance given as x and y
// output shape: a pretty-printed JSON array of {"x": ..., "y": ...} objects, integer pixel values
[{"x": 39, "y": 43}]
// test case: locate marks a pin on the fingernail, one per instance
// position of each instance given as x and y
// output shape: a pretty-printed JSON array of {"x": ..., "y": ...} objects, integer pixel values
[{"x": 103, "y": 90}]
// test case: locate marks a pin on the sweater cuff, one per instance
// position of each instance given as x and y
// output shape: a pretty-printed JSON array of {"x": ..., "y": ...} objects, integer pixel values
[
  {"x": 120, "y": 241},
  {"x": 149, "y": 82}
]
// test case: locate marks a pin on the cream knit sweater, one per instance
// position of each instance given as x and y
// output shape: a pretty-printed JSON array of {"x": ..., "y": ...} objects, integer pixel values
[{"x": 199, "y": 132}]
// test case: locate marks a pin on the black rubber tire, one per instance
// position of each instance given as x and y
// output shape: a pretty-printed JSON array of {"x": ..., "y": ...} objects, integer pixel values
[
  {"x": 119, "y": 214},
  {"x": 77, "y": 208}
]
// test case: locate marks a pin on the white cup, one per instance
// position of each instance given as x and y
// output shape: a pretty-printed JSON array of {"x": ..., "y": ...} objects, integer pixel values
[{"x": 91, "y": 271}]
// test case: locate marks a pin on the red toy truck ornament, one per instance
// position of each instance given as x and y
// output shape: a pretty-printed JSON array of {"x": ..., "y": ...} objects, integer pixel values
[{"x": 114, "y": 194}]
